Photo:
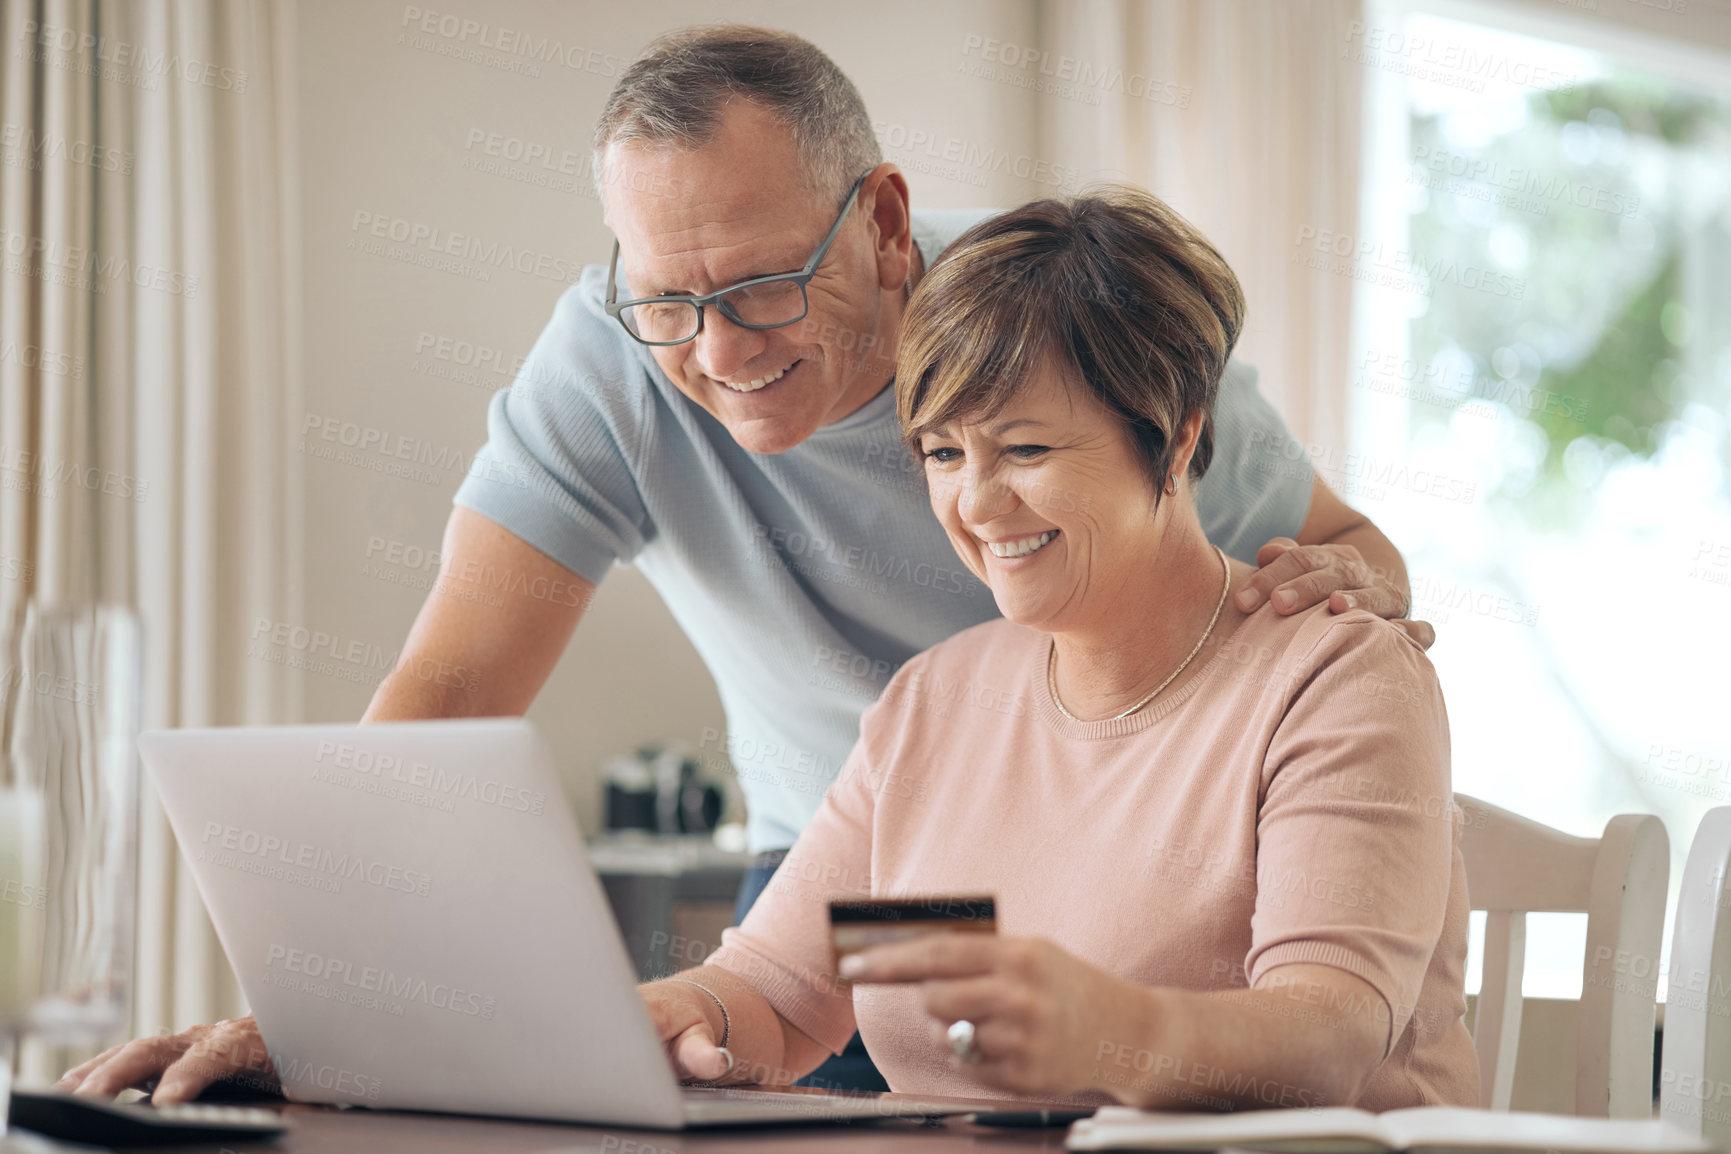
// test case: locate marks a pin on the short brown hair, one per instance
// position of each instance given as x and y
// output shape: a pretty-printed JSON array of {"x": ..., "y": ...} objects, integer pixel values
[
  {"x": 1112, "y": 284},
  {"x": 678, "y": 87}
]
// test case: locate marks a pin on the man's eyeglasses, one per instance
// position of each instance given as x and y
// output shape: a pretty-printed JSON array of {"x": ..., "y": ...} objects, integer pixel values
[{"x": 764, "y": 302}]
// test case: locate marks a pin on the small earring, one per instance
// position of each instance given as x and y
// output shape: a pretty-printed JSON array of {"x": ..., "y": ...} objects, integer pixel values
[{"x": 1171, "y": 484}]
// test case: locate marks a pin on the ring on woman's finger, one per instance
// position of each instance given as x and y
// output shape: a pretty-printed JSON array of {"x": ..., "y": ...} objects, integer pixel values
[
  {"x": 961, "y": 1034},
  {"x": 719, "y": 1078}
]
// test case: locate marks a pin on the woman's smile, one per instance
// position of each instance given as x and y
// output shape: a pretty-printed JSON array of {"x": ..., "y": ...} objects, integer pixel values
[{"x": 1014, "y": 548}]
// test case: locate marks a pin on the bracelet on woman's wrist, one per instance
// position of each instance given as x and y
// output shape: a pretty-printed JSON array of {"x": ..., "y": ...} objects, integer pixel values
[{"x": 726, "y": 1022}]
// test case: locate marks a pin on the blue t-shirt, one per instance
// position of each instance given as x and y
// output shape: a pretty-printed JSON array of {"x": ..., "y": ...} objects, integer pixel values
[{"x": 806, "y": 578}]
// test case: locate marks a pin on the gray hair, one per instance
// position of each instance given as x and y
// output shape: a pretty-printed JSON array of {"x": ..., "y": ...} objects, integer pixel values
[{"x": 677, "y": 88}]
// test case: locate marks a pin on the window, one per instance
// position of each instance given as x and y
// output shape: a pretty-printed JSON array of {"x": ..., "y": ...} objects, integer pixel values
[{"x": 1540, "y": 415}]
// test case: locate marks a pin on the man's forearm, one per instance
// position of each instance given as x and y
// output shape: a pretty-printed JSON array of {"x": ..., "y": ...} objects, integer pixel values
[
  {"x": 469, "y": 656},
  {"x": 402, "y": 696}
]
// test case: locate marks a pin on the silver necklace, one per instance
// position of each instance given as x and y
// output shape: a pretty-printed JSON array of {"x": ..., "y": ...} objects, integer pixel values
[{"x": 1052, "y": 653}]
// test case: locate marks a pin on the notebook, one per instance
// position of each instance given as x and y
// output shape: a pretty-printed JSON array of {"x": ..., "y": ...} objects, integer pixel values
[{"x": 1348, "y": 1131}]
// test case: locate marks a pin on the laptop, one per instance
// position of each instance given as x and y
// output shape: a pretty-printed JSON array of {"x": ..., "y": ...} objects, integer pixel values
[{"x": 411, "y": 914}]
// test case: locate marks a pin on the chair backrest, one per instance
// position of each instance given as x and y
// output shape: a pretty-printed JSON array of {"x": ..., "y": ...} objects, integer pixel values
[
  {"x": 1516, "y": 867},
  {"x": 1695, "y": 1063}
]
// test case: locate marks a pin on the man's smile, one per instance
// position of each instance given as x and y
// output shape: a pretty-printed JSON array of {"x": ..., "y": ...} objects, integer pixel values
[{"x": 757, "y": 383}]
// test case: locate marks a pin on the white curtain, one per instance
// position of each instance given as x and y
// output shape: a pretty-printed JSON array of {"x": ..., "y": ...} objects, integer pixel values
[
  {"x": 148, "y": 384},
  {"x": 1244, "y": 116}
]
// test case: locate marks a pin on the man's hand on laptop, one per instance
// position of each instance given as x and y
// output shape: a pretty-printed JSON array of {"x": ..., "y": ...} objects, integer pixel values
[{"x": 178, "y": 1067}]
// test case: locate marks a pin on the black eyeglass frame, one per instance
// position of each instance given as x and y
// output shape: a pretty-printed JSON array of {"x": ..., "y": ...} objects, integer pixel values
[{"x": 615, "y": 307}]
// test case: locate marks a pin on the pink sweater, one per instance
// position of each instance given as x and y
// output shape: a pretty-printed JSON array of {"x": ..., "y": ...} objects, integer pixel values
[{"x": 1290, "y": 803}]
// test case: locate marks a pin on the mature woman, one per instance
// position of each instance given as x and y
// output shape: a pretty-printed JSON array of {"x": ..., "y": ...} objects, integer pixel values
[{"x": 1211, "y": 835}]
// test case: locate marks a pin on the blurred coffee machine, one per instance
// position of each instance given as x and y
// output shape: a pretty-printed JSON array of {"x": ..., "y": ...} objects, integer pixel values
[{"x": 661, "y": 790}]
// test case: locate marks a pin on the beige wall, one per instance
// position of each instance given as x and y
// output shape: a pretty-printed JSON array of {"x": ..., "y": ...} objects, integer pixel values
[{"x": 386, "y": 116}]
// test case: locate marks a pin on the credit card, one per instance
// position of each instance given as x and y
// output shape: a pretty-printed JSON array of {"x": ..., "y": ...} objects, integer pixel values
[{"x": 856, "y": 925}]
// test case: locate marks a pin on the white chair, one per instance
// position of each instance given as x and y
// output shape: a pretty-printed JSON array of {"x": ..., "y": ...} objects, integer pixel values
[
  {"x": 1695, "y": 1062},
  {"x": 1516, "y": 867}
]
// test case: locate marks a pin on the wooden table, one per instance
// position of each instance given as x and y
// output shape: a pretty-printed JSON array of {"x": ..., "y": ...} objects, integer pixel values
[{"x": 326, "y": 1130}]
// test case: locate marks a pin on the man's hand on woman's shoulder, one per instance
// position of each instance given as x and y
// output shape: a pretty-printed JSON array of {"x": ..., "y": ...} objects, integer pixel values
[
  {"x": 1295, "y": 577},
  {"x": 178, "y": 1067}
]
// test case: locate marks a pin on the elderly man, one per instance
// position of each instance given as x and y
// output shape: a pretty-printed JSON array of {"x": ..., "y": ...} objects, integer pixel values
[{"x": 713, "y": 407}]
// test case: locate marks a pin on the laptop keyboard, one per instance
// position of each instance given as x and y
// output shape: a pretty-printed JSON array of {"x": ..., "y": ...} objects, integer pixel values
[{"x": 725, "y": 1105}]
